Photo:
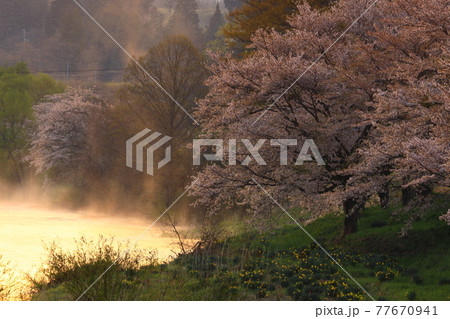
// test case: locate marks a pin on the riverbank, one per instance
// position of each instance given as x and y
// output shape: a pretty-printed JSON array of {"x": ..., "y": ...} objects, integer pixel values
[{"x": 283, "y": 265}]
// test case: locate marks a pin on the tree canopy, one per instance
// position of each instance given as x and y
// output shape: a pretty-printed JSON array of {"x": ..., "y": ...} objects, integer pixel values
[
  {"x": 184, "y": 21},
  {"x": 215, "y": 23},
  {"x": 253, "y": 15},
  {"x": 376, "y": 105},
  {"x": 19, "y": 90}
]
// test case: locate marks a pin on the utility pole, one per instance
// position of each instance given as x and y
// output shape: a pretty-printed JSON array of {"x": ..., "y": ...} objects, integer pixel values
[
  {"x": 40, "y": 60},
  {"x": 67, "y": 71}
]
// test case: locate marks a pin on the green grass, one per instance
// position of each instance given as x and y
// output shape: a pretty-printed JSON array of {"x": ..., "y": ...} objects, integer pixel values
[
  {"x": 281, "y": 264},
  {"x": 424, "y": 251}
]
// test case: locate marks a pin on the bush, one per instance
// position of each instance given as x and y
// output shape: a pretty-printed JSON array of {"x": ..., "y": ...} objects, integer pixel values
[
  {"x": 223, "y": 286},
  {"x": 262, "y": 293},
  {"x": 111, "y": 267},
  {"x": 385, "y": 275},
  {"x": 7, "y": 281}
]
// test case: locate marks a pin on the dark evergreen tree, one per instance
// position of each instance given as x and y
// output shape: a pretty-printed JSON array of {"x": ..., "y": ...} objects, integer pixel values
[
  {"x": 153, "y": 29},
  {"x": 215, "y": 23},
  {"x": 184, "y": 21}
]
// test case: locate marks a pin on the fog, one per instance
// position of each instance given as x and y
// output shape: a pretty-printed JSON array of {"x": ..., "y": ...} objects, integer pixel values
[
  {"x": 26, "y": 227},
  {"x": 30, "y": 219}
]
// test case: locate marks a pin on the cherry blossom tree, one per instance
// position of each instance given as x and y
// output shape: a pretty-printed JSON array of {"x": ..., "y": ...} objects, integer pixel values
[
  {"x": 411, "y": 110},
  {"x": 61, "y": 141},
  {"x": 344, "y": 103},
  {"x": 446, "y": 217}
]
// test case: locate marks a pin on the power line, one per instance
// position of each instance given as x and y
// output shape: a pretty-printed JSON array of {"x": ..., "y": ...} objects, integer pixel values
[
  {"x": 90, "y": 70},
  {"x": 72, "y": 71}
]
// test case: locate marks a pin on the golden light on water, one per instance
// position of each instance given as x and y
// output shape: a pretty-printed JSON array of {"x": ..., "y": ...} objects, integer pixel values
[{"x": 24, "y": 228}]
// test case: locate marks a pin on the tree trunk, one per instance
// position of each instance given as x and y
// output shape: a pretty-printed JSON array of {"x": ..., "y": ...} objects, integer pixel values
[
  {"x": 350, "y": 224},
  {"x": 352, "y": 207},
  {"x": 18, "y": 168},
  {"x": 384, "y": 198},
  {"x": 408, "y": 194}
]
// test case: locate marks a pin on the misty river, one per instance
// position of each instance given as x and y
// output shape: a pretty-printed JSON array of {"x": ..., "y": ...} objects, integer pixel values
[{"x": 24, "y": 228}]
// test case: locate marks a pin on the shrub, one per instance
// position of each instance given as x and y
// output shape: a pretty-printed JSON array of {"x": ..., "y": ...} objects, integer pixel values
[
  {"x": 113, "y": 268},
  {"x": 7, "y": 281},
  {"x": 387, "y": 274},
  {"x": 262, "y": 293},
  {"x": 284, "y": 283},
  {"x": 223, "y": 286}
]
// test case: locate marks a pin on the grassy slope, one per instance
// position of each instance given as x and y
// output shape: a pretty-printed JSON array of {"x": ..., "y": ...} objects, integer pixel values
[
  {"x": 423, "y": 256},
  {"x": 425, "y": 249}
]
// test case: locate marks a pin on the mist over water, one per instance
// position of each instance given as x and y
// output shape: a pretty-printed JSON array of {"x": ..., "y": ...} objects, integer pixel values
[{"x": 25, "y": 227}]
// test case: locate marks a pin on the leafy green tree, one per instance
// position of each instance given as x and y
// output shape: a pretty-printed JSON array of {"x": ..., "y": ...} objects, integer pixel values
[
  {"x": 19, "y": 90},
  {"x": 15, "y": 112}
]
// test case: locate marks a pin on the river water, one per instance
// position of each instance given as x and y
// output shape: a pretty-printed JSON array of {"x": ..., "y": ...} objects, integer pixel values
[{"x": 25, "y": 227}]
